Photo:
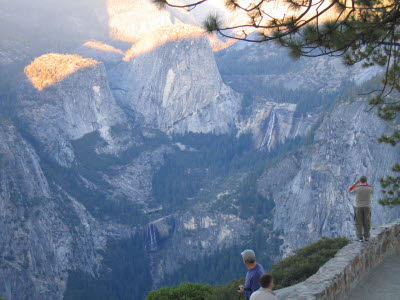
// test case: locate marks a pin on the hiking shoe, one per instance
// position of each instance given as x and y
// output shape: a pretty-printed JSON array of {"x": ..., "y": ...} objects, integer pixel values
[
  {"x": 360, "y": 240},
  {"x": 366, "y": 239}
]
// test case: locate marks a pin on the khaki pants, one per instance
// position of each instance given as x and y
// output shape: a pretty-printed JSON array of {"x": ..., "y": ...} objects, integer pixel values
[{"x": 362, "y": 217}]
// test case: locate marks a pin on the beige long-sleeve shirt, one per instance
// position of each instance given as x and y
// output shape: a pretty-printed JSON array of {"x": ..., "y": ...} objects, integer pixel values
[
  {"x": 263, "y": 294},
  {"x": 363, "y": 194}
]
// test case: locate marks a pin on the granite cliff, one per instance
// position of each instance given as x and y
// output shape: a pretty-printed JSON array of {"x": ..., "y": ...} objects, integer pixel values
[
  {"x": 183, "y": 93},
  {"x": 311, "y": 191},
  {"x": 44, "y": 231},
  {"x": 63, "y": 98}
]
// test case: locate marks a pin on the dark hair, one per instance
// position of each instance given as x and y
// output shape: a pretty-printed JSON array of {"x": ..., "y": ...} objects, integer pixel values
[
  {"x": 363, "y": 179},
  {"x": 265, "y": 280},
  {"x": 250, "y": 260}
]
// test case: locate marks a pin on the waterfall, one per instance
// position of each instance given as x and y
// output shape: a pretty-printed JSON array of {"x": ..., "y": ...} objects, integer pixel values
[
  {"x": 151, "y": 237},
  {"x": 270, "y": 130}
]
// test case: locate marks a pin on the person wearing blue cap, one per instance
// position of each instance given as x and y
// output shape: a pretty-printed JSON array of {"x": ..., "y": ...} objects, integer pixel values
[{"x": 255, "y": 270}]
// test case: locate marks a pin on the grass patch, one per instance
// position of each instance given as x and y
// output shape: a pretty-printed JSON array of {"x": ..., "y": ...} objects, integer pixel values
[{"x": 306, "y": 261}]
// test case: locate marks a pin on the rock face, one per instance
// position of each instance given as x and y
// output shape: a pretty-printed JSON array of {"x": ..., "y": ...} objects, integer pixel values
[
  {"x": 183, "y": 93},
  {"x": 43, "y": 233},
  {"x": 133, "y": 181},
  {"x": 69, "y": 106},
  {"x": 311, "y": 190},
  {"x": 99, "y": 51},
  {"x": 200, "y": 232},
  {"x": 271, "y": 123},
  {"x": 132, "y": 20}
]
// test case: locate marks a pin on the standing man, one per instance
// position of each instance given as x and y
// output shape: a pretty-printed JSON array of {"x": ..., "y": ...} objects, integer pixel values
[
  {"x": 253, "y": 275},
  {"x": 265, "y": 292},
  {"x": 362, "y": 207}
]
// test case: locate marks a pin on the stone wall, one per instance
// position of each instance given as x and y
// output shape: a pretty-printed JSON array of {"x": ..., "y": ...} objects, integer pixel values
[{"x": 334, "y": 279}]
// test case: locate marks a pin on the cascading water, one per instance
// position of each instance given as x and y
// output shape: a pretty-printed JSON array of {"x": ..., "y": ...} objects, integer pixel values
[
  {"x": 268, "y": 136},
  {"x": 151, "y": 237}
]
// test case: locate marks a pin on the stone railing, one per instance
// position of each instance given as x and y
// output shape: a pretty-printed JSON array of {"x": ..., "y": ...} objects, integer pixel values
[{"x": 335, "y": 279}]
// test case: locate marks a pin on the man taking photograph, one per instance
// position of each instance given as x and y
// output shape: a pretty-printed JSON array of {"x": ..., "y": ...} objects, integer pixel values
[{"x": 362, "y": 207}]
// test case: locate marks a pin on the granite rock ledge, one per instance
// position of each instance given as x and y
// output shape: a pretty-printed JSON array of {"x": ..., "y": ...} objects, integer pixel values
[{"x": 335, "y": 278}]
